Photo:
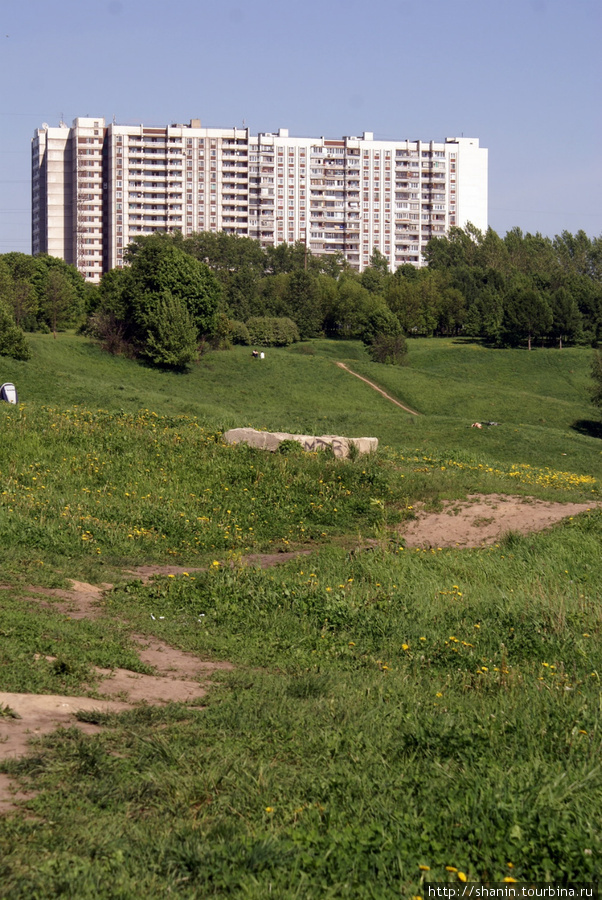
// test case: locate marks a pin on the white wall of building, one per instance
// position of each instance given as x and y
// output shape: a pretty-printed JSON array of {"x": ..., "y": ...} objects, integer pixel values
[{"x": 348, "y": 195}]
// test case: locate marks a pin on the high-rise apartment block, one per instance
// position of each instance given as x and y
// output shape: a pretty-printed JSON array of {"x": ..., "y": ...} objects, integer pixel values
[{"x": 95, "y": 187}]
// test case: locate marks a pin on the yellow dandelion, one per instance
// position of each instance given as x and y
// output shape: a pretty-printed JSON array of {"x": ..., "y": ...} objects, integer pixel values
[
  {"x": 424, "y": 868},
  {"x": 461, "y": 876}
]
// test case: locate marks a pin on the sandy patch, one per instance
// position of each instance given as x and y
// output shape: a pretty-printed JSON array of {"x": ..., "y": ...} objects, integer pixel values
[
  {"x": 83, "y": 601},
  {"x": 263, "y": 560},
  {"x": 481, "y": 520},
  {"x": 41, "y": 713},
  {"x": 179, "y": 676}
]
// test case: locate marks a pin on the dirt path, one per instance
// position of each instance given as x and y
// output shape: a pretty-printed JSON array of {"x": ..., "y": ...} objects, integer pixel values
[
  {"x": 483, "y": 519},
  {"x": 177, "y": 677},
  {"x": 377, "y": 388}
]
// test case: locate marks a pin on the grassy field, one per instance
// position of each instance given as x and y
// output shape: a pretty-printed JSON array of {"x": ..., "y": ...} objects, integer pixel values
[{"x": 395, "y": 716}]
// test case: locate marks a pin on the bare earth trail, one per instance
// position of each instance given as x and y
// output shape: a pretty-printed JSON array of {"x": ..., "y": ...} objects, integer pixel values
[
  {"x": 478, "y": 521},
  {"x": 377, "y": 388}
]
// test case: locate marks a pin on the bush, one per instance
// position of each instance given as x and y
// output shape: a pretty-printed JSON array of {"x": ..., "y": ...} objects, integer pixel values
[
  {"x": 267, "y": 331},
  {"x": 391, "y": 349},
  {"x": 221, "y": 339},
  {"x": 106, "y": 328},
  {"x": 239, "y": 333},
  {"x": 171, "y": 333}
]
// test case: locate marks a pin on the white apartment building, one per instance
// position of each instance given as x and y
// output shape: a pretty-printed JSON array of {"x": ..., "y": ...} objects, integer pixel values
[{"x": 95, "y": 187}]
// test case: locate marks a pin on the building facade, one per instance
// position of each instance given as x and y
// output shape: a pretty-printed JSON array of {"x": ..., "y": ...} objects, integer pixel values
[{"x": 96, "y": 186}]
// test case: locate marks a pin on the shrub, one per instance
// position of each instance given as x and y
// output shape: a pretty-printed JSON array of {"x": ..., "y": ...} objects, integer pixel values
[
  {"x": 267, "y": 331},
  {"x": 221, "y": 338},
  {"x": 171, "y": 334},
  {"x": 239, "y": 333},
  {"x": 391, "y": 349},
  {"x": 109, "y": 331}
]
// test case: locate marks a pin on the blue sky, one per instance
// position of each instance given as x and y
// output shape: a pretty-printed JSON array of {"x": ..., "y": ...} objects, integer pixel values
[{"x": 524, "y": 76}]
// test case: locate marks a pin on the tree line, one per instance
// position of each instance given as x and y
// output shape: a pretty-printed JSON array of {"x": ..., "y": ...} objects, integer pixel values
[
  {"x": 39, "y": 293},
  {"x": 180, "y": 293},
  {"x": 523, "y": 287}
]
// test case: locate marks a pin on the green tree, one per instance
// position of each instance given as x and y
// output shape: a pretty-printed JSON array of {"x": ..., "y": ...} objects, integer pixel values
[
  {"x": 12, "y": 339},
  {"x": 161, "y": 280},
  {"x": 457, "y": 248},
  {"x": 579, "y": 255},
  {"x": 566, "y": 318},
  {"x": 59, "y": 300},
  {"x": 272, "y": 297},
  {"x": 403, "y": 298},
  {"x": 374, "y": 277},
  {"x": 527, "y": 314},
  {"x": 380, "y": 321},
  {"x": 19, "y": 295},
  {"x": 25, "y": 304},
  {"x": 491, "y": 307},
  {"x": 171, "y": 334},
  {"x": 349, "y": 312},
  {"x": 157, "y": 265},
  {"x": 30, "y": 295},
  {"x": 451, "y": 311},
  {"x": 303, "y": 300}
]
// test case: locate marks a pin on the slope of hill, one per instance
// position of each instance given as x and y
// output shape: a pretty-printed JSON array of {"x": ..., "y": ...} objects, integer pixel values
[{"x": 380, "y": 715}]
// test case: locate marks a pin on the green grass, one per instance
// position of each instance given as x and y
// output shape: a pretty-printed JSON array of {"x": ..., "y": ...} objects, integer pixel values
[
  {"x": 537, "y": 397},
  {"x": 389, "y": 708}
]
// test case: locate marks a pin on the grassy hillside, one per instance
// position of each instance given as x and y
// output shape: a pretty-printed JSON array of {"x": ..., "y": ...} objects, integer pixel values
[
  {"x": 537, "y": 397},
  {"x": 394, "y": 717}
]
